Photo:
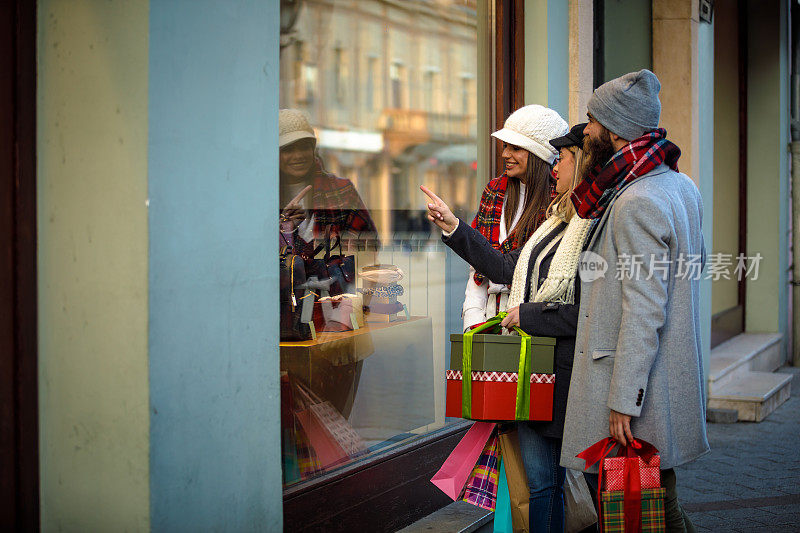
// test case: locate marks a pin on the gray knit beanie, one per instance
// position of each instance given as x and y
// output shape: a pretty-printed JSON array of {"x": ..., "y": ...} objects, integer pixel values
[{"x": 628, "y": 105}]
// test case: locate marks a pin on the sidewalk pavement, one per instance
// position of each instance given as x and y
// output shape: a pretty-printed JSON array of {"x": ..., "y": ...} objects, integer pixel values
[{"x": 751, "y": 479}]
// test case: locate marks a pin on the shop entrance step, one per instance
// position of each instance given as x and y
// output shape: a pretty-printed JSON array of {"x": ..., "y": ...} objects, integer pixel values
[
  {"x": 754, "y": 395},
  {"x": 457, "y": 517},
  {"x": 747, "y": 352}
]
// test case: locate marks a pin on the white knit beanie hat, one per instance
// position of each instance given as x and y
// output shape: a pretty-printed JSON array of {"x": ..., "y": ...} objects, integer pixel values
[
  {"x": 531, "y": 127},
  {"x": 293, "y": 125}
]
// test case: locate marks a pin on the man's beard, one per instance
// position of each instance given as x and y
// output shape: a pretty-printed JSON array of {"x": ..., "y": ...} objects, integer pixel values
[{"x": 597, "y": 152}]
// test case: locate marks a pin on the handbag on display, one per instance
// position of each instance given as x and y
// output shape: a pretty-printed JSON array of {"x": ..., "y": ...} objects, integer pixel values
[
  {"x": 334, "y": 313},
  {"x": 296, "y": 302},
  {"x": 340, "y": 268}
]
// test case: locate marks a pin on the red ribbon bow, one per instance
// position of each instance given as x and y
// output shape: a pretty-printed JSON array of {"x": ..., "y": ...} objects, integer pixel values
[{"x": 633, "y": 483}]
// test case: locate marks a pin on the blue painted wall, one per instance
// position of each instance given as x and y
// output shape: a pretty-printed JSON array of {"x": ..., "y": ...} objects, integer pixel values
[
  {"x": 214, "y": 394},
  {"x": 705, "y": 52}
]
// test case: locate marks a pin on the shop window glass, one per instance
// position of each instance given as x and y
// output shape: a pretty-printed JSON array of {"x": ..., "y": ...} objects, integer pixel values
[{"x": 388, "y": 93}]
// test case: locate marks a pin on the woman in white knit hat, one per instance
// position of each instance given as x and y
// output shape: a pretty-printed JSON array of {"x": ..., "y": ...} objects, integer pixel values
[
  {"x": 317, "y": 204},
  {"x": 544, "y": 301},
  {"x": 513, "y": 205}
]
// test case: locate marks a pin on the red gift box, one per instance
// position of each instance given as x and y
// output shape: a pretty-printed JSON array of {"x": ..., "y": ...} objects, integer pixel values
[
  {"x": 494, "y": 395},
  {"x": 649, "y": 472}
]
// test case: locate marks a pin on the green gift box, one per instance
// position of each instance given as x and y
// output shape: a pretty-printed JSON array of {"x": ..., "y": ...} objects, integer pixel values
[
  {"x": 500, "y": 353},
  {"x": 613, "y": 502}
]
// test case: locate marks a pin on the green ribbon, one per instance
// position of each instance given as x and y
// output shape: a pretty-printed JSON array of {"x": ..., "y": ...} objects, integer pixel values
[{"x": 523, "y": 402}]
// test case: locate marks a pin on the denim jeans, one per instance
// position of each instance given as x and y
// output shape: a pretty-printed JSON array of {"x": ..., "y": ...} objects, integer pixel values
[
  {"x": 676, "y": 519},
  {"x": 541, "y": 455}
]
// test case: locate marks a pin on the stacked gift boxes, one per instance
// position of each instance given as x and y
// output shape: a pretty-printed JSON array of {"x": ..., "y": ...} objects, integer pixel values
[
  {"x": 495, "y": 367},
  {"x": 652, "y": 495}
]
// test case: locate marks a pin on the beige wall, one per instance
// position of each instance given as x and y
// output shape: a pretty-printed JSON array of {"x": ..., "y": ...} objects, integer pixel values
[
  {"x": 581, "y": 58},
  {"x": 767, "y": 170},
  {"x": 92, "y": 183},
  {"x": 726, "y": 147},
  {"x": 536, "y": 82},
  {"x": 675, "y": 21}
]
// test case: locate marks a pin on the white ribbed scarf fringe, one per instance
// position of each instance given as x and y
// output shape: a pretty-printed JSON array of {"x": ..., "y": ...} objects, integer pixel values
[{"x": 560, "y": 283}]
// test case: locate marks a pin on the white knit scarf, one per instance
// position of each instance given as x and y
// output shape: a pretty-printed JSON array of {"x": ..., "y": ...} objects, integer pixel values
[{"x": 560, "y": 283}]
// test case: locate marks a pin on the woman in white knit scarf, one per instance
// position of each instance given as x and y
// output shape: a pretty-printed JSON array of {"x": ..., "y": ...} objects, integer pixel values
[{"x": 544, "y": 302}]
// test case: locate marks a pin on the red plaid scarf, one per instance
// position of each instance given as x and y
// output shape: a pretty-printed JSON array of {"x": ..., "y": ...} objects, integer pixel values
[
  {"x": 336, "y": 207},
  {"x": 487, "y": 220},
  {"x": 637, "y": 158}
]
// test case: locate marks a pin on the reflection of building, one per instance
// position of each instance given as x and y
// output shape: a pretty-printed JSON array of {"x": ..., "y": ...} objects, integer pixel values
[{"x": 391, "y": 88}]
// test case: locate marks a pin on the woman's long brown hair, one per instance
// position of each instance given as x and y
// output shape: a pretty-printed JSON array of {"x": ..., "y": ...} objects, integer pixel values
[{"x": 537, "y": 198}]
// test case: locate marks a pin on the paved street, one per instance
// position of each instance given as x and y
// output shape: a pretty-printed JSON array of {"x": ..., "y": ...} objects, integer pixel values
[{"x": 751, "y": 479}]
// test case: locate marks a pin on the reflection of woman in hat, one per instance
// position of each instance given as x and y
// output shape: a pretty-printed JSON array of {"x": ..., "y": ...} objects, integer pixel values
[
  {"x": 513, "y": 204},
  {"x": 316, "y": 202},
  {"x": 544, "y": 301}
]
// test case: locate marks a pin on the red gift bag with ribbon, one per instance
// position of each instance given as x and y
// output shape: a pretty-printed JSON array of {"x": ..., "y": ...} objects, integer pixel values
[{"x": 638, "y": 460}]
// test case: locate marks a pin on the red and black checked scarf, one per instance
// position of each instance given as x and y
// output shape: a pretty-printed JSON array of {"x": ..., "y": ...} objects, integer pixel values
[
  {"x": 487, "y": 220},
  {"x": 336, "y": 206},
  {"x": 592, "y": 196}
]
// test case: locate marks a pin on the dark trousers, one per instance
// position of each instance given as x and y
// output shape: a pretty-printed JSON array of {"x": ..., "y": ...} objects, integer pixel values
[{"x": 676, "y": 518}]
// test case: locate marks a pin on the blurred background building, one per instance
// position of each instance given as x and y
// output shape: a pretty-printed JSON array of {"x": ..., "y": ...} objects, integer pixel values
[{"x": 391, "y": 89}]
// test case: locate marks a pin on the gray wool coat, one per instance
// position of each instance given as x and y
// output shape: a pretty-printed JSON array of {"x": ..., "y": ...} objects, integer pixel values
[{"x": 638, "y": 347}]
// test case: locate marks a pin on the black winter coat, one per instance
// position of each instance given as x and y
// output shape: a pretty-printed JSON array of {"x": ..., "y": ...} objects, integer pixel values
[{"x": 545, "y": 319}]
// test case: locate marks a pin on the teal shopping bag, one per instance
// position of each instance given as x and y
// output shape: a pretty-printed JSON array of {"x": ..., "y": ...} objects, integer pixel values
[{"x": 502, "y": 510}]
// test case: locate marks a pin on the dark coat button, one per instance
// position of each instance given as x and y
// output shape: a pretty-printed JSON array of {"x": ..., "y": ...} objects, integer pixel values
[{"x": 638, "y": 403}]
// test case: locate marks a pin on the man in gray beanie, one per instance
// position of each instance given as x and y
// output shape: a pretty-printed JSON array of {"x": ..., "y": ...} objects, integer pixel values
[{"x": 637, "y": 373}]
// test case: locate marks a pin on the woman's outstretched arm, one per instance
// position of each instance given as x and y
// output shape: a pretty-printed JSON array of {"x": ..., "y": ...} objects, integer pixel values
[{"x": 469, "y": 244}]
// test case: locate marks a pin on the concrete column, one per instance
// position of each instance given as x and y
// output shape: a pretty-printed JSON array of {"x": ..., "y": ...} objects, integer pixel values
[
  {"x": 581, "y": 58},
  {"x": 683, "y": 59},
  {"x": 676, "y": 63}
]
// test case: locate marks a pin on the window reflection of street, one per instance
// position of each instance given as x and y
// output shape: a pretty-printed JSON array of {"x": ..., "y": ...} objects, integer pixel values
[{"x": 390, "y": 88}]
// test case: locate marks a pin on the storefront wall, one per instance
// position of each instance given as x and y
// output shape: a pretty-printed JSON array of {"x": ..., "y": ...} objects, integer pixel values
[
  {"x": 547, "y": 54},
  {"x": 768, "y": 165},
  {"x": 213, "y": 323},
  {"x": 158, "y": 364},
  {"x": 683, "y": 59},
  {"x": 93, "y": 253}
]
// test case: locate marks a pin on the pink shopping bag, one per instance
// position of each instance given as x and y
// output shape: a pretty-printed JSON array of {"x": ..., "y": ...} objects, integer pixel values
[
  {"x": 481, "y": 489},
  {"x": 333, "y": 440},
  {"x": 455, "y": 471}
]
